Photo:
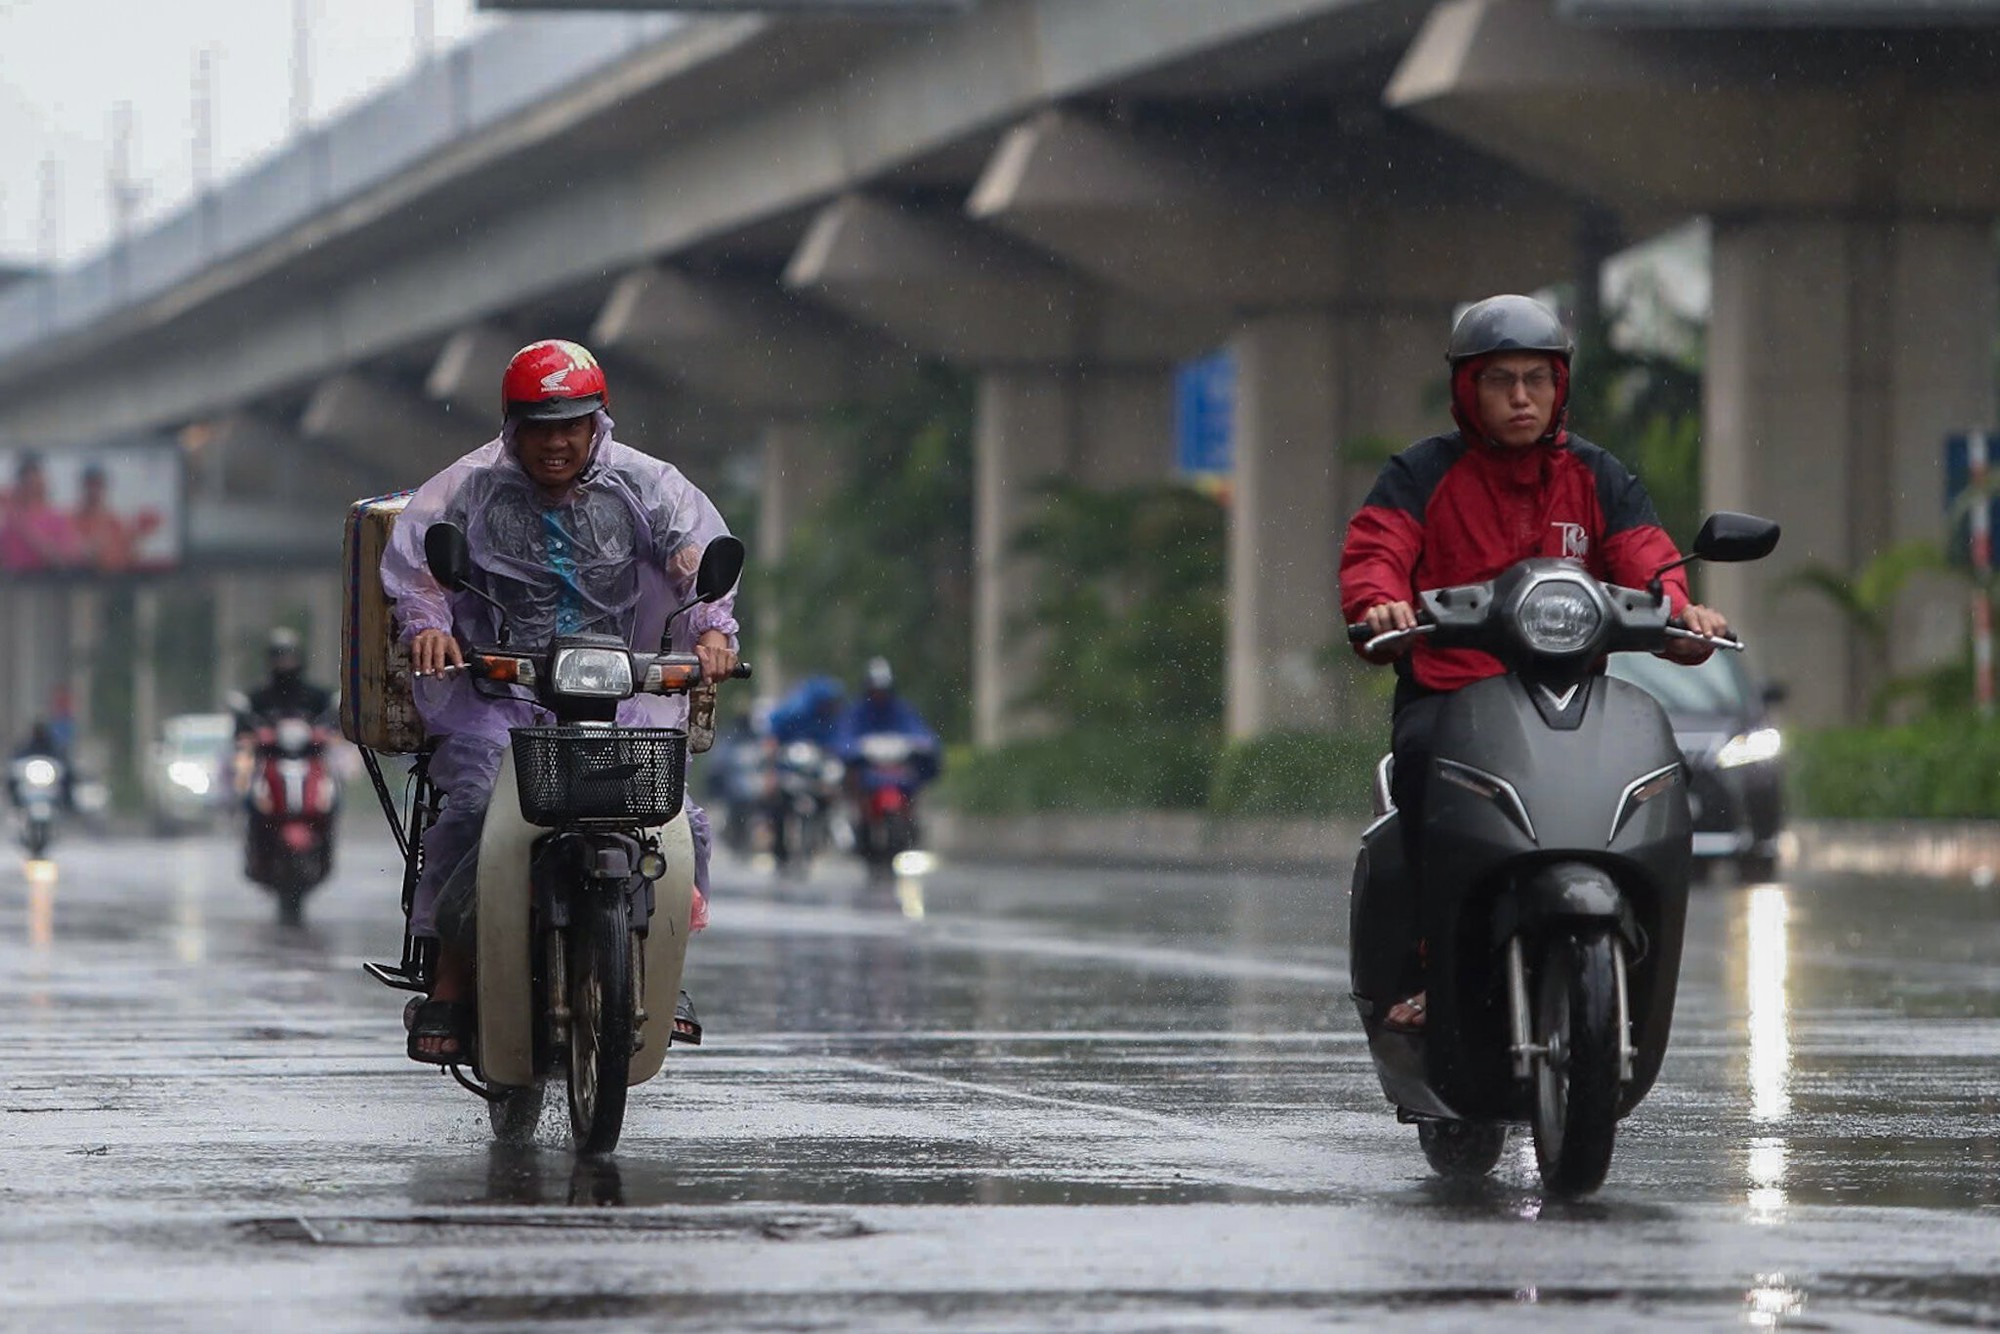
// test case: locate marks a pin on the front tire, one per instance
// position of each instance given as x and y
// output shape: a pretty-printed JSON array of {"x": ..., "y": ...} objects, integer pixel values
[
  {"x": 600, "y": 1026},
  {"x": 1576, "y": 1082},
  {"x": 37, "y": 839},
  {"x": 1461, "y": 1149},
  {"x": 516, "y": 1113}
]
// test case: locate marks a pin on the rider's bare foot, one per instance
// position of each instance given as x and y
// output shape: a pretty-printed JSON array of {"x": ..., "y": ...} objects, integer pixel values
[{"x": 1407, "y": 1016}]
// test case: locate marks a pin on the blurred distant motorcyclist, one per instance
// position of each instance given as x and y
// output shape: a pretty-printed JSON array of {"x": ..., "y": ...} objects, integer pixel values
[
  {"x": 890, "y": 753},
  {"x": 287, "y": 693},
  {"x": 798, "y": 782},
  {"x": 41, "y": 743}
]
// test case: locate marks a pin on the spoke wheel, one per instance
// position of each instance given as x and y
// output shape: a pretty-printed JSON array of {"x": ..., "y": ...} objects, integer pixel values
[
  {"x": 516, "y": 1114},
  {"x": 1576, "y": 1080},
  {"x": 600, "y": 1026},
  {"x": 1461, "y": 1148}
]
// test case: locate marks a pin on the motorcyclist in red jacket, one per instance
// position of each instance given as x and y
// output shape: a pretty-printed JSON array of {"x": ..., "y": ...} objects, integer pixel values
[{"x": 1512, "y": 482}]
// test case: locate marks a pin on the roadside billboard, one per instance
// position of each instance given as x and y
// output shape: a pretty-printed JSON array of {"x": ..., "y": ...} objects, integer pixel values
[{"x": 111, "y": 510}]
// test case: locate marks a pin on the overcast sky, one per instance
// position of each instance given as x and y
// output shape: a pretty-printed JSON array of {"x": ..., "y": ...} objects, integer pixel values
[{"x": 64, "y": 64}]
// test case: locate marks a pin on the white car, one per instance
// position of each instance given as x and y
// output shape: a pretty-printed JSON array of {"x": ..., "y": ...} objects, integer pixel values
[{"x": 189, "y": 779}]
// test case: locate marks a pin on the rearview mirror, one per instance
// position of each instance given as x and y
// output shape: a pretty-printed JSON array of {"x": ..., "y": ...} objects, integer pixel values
[
  {"x": 721, "y": 567},
  {"x": 448, "y": 554},
  {"x": 1728, "y": 536}
]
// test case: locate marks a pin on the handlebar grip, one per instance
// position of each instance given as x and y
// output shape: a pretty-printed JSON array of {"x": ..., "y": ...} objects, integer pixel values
[
  {"x": 742, "y": 672},
  {"x": 1359, "y": 633}
]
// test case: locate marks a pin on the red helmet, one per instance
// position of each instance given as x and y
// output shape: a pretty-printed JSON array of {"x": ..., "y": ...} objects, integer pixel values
[{"x": 552, "y": 380}]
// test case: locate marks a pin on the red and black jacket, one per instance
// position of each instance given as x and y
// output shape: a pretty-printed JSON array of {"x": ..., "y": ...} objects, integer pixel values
[{"x": 1446, "y": 512}]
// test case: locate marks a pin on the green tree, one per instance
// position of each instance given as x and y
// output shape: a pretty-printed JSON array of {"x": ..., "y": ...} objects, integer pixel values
[
  {"x": 886, "y": 565},
  {"x": 1130, "y": 606}
]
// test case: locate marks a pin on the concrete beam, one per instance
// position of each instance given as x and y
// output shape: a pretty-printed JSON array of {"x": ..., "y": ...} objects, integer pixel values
[
  {"x": 384, "y": 426},
  {"x": 955, "y": 290},
  {"x": 466, "y": 376},
  {"x": 740, "y": 342},
  {"x": 1714, "y": 122},
  {"x": 1393, "y": 216}
]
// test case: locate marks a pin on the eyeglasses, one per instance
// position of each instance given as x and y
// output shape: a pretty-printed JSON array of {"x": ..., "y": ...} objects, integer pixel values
[{"x": 1535, "y": 382}]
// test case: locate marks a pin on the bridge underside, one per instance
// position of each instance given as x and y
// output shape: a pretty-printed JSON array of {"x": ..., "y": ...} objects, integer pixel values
[{"x": 1070, "y": 198}]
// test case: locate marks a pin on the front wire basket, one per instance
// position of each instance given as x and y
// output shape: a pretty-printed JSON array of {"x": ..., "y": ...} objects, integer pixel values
[{"x": 623, "y": 776}]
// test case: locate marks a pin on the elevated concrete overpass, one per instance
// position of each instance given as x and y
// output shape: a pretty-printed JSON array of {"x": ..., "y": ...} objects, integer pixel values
[{"x": 757, "y": 214}]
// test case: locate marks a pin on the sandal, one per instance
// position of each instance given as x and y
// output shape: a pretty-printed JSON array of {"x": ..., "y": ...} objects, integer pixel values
[
  {"x": 1414, "y": 1025},
  {"x": 451, "y": 1020},
  {"x": 687, "y": 1028}
]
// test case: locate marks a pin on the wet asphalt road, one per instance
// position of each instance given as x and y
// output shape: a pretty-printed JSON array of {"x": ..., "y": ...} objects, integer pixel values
[{"x": 1011, "y": 1099}]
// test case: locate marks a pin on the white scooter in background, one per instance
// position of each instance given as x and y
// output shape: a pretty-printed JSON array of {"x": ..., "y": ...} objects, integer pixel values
[{"x": 36, "y": 782}]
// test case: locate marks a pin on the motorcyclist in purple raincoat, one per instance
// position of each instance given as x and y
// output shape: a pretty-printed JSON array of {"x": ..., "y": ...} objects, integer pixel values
[{"x": 573, "y": 533}]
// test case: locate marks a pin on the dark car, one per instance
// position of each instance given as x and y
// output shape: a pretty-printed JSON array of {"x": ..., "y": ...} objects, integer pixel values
[{"x": 1736, "y": 779}]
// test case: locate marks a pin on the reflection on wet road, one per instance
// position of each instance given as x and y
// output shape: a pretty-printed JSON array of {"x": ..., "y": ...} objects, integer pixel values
[{"x": 998, "y": 1099}]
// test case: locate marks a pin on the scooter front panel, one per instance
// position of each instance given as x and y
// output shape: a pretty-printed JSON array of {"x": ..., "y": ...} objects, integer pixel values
[
  {"x": 505, "y": 975},
  {"x": 666, "y": 947}
]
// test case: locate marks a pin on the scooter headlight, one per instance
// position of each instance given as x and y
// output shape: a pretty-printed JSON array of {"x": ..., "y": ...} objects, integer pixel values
[
  {"x": 189, "y": 775},
  {"x": 1559, "y": 616},
  {"x": 594, "y": 673},
  {"x": 40, "y": 773}
]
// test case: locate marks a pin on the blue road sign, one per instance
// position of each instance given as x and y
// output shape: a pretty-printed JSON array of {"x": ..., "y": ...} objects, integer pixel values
[{"x": 1204, "y": 404}]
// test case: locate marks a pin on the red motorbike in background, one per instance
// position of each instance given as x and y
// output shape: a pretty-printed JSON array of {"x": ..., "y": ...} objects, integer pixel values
[
  {"x": 294, "y": 798},
  {"x": 884, "y": 778}
]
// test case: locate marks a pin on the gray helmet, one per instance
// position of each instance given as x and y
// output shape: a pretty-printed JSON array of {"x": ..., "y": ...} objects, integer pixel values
[{"x": 1508, "y": 324}]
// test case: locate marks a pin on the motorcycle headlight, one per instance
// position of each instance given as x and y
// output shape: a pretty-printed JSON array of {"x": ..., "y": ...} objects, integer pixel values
[
  {"x": 1750, "y": 748},
  {"x": 1559, "y": 616},
  {"x": 595, "y": 673},
  {"x": 40, "y": 773},
  {"x": 294, "y": 735}
]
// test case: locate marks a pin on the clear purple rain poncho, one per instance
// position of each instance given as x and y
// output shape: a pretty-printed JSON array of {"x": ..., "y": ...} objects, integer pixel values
[{"x": 614, "y": 556}]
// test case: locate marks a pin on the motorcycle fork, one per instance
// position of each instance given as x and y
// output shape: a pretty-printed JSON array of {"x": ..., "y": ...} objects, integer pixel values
[{"x": 1525, "y": 1050}]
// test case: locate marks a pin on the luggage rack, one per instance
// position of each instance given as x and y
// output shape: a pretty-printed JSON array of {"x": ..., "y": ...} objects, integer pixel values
[{"x": 408, "y": 823}]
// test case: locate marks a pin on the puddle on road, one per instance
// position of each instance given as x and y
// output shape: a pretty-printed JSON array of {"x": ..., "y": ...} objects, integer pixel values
[{"x": 487, "y": 1228}]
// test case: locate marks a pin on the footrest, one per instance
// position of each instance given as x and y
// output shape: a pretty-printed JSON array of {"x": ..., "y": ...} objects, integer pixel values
[{"x": 392, "y": 975}]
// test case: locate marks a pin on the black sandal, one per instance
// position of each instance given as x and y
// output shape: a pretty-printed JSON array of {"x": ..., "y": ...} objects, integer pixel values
[
  {"x": 442, "y": 1019},
  {"x": 687, "y": 1028}
]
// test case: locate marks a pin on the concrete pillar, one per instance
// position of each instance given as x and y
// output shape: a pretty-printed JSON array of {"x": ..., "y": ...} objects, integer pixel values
[
  {"x": 1104, "y": 426},
  {"x": 799, "y": 473},
  {"x": 1020, "y": 435},
  {"x": 1321, "y": 396},
  {"x": 145, "y": 670},
  {"x": 1285, "y": 508},
  {"x": 1842, "y": 351}
]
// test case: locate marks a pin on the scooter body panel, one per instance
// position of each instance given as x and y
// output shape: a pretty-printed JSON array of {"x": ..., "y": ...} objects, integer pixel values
[
  {"x": 1492, "y": 858},
  {"x": 506, "y": 961}
]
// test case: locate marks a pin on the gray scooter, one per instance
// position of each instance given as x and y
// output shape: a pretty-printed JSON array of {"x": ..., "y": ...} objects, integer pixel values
[{"x": 1556, "y": 857}]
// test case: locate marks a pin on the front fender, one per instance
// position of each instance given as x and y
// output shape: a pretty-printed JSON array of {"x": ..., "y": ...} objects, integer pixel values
[{"x": 1564, "y": 891}]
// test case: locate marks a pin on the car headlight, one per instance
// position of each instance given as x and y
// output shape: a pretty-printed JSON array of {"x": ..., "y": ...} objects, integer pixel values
[
  {"x": 187, "y": 774},
  {"x": 1559, "y": 616},
  {"x": 1750, "y": 748},
  {"x": 40, "y": 773},
  {"x": 595, "y": 673}
]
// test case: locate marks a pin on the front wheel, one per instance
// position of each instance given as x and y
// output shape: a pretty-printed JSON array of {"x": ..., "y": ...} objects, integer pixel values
[
  {"x": 1461, "y": 1149},
  {"x": 37, "y": 838},
  {"x": 516, "y": 1113},
  {"x": 600, "y": 1024},
  {"x": 1576, "y": 1076}
]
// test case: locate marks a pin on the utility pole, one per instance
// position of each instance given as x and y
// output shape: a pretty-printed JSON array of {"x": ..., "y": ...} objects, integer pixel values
[
  {"x": 122, "y": 191},
  {"x": 50, "y": 226},
  {"x": 301, "y": 65},
  {"x": 201, "y": 120}
]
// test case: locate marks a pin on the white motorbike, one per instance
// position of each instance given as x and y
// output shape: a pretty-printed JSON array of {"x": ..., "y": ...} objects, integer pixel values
[{"x": 37, "y": 784}]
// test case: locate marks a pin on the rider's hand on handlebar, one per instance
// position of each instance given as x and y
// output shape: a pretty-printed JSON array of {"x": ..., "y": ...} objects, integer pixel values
[
  {"x": 1699, "y": 620},
  {"x": 718, "y": 660},
  {"x": 1386, "y": 616},
  {"x": 434, "y": 650}
]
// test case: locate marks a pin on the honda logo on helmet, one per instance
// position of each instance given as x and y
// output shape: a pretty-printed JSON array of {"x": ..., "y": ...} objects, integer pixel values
[{"x": 553, "y": 382}]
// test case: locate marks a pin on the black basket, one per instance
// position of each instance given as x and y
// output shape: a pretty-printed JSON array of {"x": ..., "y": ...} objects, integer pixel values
[{"x": 627, "y": 776}]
